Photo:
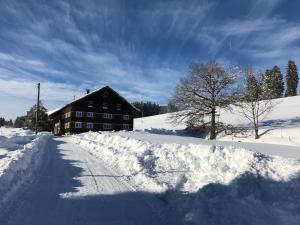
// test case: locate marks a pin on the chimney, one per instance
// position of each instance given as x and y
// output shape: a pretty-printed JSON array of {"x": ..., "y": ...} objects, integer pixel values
[{"x": 87, "y": 91}]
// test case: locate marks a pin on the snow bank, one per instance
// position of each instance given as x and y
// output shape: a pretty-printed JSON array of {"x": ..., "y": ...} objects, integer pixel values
[
  {"x": 20, "y": 162},
  {"x": 199, "y": 180}
]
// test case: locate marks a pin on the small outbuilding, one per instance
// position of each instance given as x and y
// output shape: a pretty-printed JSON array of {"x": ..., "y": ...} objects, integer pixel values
[{"x": 100, "y": 110}]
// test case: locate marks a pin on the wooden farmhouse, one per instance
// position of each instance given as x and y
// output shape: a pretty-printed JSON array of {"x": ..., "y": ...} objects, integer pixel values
[{"x": 100, "y": 110}]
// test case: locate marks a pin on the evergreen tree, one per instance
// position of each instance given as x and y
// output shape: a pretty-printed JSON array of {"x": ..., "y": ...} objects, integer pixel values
[
  {"x": 2, "y": 121},
  {"x": 9, "y": 123},
  {"x": 291, "y": 79},
  {"x": 147, "y": 108},
  {"x": 20, "y": 122},
  {"x": 43, "y": 121},
  {"x": 272, "y": 83},
  {"x": 267, "y": 85},
  {"x": 277, "y": 82},
  {"x": 253, "y": 88}
]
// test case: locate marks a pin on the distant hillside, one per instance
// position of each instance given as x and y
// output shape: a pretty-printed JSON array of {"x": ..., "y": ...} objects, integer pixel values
[{"x": 285, "y": 114}]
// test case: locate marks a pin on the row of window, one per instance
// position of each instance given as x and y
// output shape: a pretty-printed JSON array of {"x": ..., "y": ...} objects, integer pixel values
[
  {"x": 106, "y": 126},
  {"x": 104, "y": 115},
  {"x": 92, "y": 114},
  {"x": 91, "y": 104}
]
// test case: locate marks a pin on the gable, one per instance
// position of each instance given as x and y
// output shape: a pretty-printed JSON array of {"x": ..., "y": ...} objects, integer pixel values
[{"x": 98, "y": 97}]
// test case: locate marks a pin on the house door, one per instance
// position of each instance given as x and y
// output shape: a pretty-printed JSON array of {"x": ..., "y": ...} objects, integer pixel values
[{"x": 57, "y": 128}]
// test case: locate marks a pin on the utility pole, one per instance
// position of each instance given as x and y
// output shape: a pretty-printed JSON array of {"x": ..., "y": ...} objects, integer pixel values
[{"x": 37, "y": 110}]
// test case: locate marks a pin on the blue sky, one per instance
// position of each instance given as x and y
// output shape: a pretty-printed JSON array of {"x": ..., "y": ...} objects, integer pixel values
[{"x": 140, "y": 48}]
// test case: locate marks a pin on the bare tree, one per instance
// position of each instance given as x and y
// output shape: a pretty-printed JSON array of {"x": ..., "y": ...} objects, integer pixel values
[
  {"x": 198, "y": 96},
  {"x": 253, "y": 103}
]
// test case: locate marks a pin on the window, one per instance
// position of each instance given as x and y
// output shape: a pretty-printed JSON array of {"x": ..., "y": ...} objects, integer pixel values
[
  {"x": 107, "y": 116},
  {"x": 78, "y": 125},
  {"x": 91, "y": 104},
  {"x": 90, "y": 125},
  {"x": 107, "y": 126},
  {"x": 68, "y": 114},
  {"x": 125, "y": 126},
  {"x": 67, "y": 125},
  {"x": 90, "y": 114},
  {"x": 118, "y": 107},
  {"x": 125, "y": 117},
  {"x": 78, "y": 114},
  {"x": 104, "y": 105}
]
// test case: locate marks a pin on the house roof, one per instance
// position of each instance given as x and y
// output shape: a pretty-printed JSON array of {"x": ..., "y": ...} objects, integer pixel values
[{"x": 51, "y": 112}]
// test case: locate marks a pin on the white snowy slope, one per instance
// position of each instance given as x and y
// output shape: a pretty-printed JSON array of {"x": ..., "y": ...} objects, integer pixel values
[
  {"x": 205, "y": 183},
  {"x": 74, "y": 187},
  {"x": 281, "y": 126},
  {"x": 20, "y": 157}
]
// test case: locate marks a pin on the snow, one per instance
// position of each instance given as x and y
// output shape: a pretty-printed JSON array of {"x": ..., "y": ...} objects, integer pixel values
[
  {"x": 281, "y": 126},
  {"x": 20, "y": 157},
  {"x": 50, "y": 112},
  {"x": 204, "y": 182},
  {"x": 288, "y": 151},
  {"x": 75, "y": 188},
  {"x": 155, "y": 174}
]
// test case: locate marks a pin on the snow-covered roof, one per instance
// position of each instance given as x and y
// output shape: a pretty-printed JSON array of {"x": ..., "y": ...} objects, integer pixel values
[
  {"x": 53, "y": 111},
  {"x": 91, "y": 93}
]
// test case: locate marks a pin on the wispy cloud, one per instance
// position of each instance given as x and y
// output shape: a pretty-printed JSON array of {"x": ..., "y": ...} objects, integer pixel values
[{"x": 141, "y": 48}]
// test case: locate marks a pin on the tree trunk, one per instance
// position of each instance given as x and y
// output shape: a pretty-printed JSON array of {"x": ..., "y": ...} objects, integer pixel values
[
  {"x": 256, "y": 131},
  {"x": 213, "y": 124}
]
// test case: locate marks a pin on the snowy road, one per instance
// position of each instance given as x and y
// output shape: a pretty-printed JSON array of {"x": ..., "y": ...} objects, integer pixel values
[{"x": 75, "y": 188}]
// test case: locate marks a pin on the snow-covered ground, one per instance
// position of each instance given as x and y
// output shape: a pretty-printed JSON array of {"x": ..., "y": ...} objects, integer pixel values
[
  {"x": 74, "y": 187},
  {"x": 20, "y": 157},
  {"x": 281, "y": 126},
  {"x": 205, "y": 183},
  {"x": 155, "y": 174}
]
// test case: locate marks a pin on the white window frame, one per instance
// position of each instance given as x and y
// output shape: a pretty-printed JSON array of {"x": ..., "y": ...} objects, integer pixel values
[
  {"x": 78, "y": 114},
  {"x": 125, "y": 117},
  {"x": 67, "y": 114},
  {"x": 89, "y": 125},
  {"x": 107, "y": 126},
  {"x": 67, "y": 125},
  {"x": 126, "y": 126},
  {"x": 107, "y": 116},
  {"x": 78, "y": 124},
  {"x": 90, "y": 114}
]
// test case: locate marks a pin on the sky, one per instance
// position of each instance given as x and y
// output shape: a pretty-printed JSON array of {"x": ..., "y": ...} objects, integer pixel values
[{"x": 141, "y": 48}]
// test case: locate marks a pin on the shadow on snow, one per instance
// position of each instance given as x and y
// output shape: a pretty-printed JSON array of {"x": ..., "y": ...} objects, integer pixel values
[{"x": 249, "y": 199}]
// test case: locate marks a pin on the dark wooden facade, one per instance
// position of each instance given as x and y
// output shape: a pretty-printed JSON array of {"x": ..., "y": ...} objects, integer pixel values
[{"x": 101, "y": 110}]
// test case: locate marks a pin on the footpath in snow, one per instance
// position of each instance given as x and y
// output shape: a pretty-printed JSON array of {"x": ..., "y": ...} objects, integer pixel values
[
  {"x": 204, "y": 184},
  {"x": 74, "y": 187}
]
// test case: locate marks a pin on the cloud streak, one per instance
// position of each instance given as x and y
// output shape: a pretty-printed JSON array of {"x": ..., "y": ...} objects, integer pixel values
[{"x": 140, "y": 48}]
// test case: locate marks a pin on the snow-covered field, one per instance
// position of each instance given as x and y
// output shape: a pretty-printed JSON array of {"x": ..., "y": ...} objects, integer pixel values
[
  {"x": 281, "y": 126},
  {"x": 20, "y": 156},
  {"x": 205, "y": 183}
]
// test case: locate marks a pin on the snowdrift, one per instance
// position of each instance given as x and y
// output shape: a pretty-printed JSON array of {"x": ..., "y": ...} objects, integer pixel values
[
  {"x": 20, "y": 160},
  {"x": 206, "y": 184}
]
